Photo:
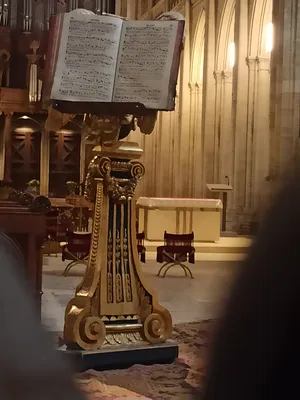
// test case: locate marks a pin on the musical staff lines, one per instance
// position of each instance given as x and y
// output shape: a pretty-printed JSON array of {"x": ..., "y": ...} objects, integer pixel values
[
  {"x": 87, "y": 59},
  {"x": 144, "y": 65}
]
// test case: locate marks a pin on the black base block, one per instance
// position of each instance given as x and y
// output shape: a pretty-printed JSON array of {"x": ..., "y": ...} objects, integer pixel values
[{"x": 121, "y": 356}]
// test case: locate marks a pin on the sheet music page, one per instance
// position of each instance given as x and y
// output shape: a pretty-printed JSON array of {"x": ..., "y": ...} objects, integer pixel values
[
  {"x": 145, "y": 62},
  {"x": 87, "y": 58}
]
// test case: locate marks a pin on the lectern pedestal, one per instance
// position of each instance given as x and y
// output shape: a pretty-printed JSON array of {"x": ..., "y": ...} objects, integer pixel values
[
  {"x": 224, "y": 189},
  {"x": 113, "y": 306}
]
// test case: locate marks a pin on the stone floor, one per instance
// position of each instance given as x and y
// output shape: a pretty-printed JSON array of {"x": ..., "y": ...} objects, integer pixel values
[{"x": 187, "y": 299}]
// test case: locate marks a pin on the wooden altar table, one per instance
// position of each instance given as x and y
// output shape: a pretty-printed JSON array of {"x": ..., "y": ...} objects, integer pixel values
[{"x": 201, "y": 216}]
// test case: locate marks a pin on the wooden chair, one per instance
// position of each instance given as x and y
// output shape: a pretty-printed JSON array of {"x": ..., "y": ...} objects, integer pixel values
[
  {"x": 65, "y": 224},
  {"x": 76, "y": 249},
  {"x": 51, "y": 232},
  {"x": 177, "y": 249},
  {"x": 52, "y": 221},
  {"x": 140, "y": 237}
]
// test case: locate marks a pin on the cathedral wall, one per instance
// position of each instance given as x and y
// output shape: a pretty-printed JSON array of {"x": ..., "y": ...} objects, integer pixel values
[{"x": 220, "y": 127}]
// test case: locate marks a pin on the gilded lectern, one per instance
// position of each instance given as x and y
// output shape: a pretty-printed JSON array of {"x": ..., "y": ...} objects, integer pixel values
[
  {"x": 114, "y": 304},
  {"x": 119, "y": 74}
]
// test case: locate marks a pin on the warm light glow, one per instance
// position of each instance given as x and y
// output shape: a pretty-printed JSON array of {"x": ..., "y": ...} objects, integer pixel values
[
  {"x": 24, "y": 129},
  {"x": 269, "y": 37},
  {"x": 65, "y": 131},
  {"x": 24, "y": 117},
  {"x": 231, "y": 54}
]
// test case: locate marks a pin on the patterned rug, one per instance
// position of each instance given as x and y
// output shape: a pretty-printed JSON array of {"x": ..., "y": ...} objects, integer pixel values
[{"x": 181, "y": 380}]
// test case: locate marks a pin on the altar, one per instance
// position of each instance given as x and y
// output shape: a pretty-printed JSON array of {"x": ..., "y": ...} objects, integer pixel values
[{"x": 201, "y": 216}]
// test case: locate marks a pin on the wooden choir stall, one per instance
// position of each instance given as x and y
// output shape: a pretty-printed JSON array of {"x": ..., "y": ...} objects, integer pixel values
[{"x": 22, "y": 218}]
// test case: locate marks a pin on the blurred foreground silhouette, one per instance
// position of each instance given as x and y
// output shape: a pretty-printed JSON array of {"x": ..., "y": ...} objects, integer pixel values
[
  {"x": 29, "y": 367},
  {"x": 256, "y": 351}
]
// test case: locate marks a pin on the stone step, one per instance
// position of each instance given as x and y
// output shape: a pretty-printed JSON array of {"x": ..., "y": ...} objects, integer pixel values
[{"x": 226, "y": 245}]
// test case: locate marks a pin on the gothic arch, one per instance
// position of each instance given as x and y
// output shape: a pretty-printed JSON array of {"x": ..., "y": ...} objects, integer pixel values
[
  {"x": 261, "y": 16},
  {"x": 225, "y": 35},
  {"x": 196, "y": 73}
]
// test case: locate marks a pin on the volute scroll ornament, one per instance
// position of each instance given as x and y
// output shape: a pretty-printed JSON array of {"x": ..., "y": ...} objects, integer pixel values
[{"x": 119, "y": 188}]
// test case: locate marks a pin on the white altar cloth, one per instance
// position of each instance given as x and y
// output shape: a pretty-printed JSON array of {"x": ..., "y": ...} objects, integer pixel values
[
  {"x": 165, "y": 202},
  {"x": 180, "y": 215}
]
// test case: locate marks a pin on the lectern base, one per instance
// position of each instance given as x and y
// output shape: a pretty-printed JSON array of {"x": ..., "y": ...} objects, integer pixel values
[{"x": 118, "y": 357}]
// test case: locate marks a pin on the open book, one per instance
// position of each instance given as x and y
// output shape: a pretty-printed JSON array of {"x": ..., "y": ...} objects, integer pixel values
[{"x": 95, "y": 58}]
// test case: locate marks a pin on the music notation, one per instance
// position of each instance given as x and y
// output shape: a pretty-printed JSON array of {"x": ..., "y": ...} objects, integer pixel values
[
  {"x": 145, "y": 62},
  {"x": 87, "y": 59},
  {"x": 104, "y": 59}
]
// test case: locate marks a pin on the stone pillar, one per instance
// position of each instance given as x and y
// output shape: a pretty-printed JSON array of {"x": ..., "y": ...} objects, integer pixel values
[
  {"x": 261, "y": 135},
  {"x": 175, "y": 117},
  {"x": 218, "y": 117},
  {"x": 285, "y": 88},
  {"x": 226, "y": 137},
  {"x": 252, "y": 63},
  {"x": 45, "y": 163},
  {"x": 184, "y": 104},
  {"x": 131, "y": 9},
  {"x": 196, "y": 145},
  {"x": 209, "y": 97},
  {"x": 7, "y": 133},
  {"x": 118, "y": 6},
  {"x": 240, "y": 104}
]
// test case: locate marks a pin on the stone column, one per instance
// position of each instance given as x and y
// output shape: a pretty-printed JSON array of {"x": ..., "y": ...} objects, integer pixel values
[
  {"x": 195, "y": 153},
  {"x": 285, "y": 88},
  {"x": 45, "y": 163},
  {"x": 240, "y": 104},
  {"x": 131, "y": 9},
  {"x": 175, "y": 148},
  {"x": 252, "y": 63},
  {"x": 184, "y": 104},
  {"x": 218, "y": 117},
  {"x": 226, "y": 136},
  {"x": 7, "y": 133},
  {"x": 208, "y": 97},
  {"x": 261, "y": 135},
  {"x": 118, "y": 7}
]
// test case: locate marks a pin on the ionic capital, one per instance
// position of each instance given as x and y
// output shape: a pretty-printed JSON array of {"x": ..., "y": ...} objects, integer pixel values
[
  {"x": 251, "y": 62},
  {"x": 263, "y": 63},
  {"x": 226, "y": 76},
  {"x": 218, "y": 76}
]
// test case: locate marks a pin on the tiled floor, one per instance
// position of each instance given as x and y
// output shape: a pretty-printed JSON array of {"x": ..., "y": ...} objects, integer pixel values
[{"x": 186, "y": 299}]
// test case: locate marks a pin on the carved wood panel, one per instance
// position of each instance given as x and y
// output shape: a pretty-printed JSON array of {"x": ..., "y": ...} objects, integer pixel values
[
  {"x": 64, "y": 161},
  {"x": 25, "y": 157}
]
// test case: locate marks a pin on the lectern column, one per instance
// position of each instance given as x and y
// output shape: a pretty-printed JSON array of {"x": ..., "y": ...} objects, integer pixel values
[{"x": 113, "y": 305}]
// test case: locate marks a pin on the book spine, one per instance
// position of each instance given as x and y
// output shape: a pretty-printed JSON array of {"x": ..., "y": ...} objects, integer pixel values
[
  {"x": 175, "y": 67},
  {"x": 117, "y": 63},
  {"x": 56, "y": 25}
]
